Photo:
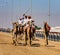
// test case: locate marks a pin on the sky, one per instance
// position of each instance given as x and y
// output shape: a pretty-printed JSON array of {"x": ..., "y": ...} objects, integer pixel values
[{"x": 11, "y": 10}]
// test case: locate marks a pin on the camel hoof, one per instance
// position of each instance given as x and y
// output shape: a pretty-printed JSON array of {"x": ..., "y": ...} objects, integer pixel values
[
  {"x": 13, "y": 42},
  {"x": 45, "y": 45}
]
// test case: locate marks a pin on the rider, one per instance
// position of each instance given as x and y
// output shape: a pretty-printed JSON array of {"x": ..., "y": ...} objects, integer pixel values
[
  {"x": 20, "y": 22},
  {"x": 30, "y": 21},
  {"x": 23, "y": 18},
  {"x": 25, "y": 22}
]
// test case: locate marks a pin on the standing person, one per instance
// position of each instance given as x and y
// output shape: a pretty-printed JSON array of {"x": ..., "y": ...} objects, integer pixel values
[{"x": 46, "y": 32}]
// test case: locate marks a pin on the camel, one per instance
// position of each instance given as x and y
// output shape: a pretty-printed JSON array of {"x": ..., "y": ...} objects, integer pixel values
[
  {"x": 16, "y": 31},
  {"x": 29, "y": 33}
]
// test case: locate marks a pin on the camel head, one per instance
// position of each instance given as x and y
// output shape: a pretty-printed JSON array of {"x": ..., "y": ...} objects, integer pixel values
[{"x": 15, "y": 24}]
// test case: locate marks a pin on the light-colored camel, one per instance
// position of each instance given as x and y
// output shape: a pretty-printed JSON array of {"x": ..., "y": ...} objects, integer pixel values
[
  {"x": 29, "y": 33},
  {"x": 16, "y": 31}
]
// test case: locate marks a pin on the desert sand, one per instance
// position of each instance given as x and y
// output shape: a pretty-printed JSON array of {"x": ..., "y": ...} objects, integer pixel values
[{"x": 37, "y": 48}]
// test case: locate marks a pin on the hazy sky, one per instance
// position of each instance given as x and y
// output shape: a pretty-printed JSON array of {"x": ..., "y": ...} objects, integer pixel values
[{"x": 11, "y": 10}]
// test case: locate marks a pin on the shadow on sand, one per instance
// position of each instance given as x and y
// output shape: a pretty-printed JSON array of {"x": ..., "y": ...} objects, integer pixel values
[
  {"x": 50, "y": 46},
  {"x": 21, "y": 44},
  {"x": 35, "y": 45},
  {"x": 6, "y": 43}
]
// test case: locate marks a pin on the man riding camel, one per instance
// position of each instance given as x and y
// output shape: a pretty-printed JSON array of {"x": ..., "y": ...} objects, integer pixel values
[
  {"x": 27, "y": 23},
  {"x": 20, "y": 21},
  {"x": 32, "y": 26},
  {"x": 28, "y": 28}
]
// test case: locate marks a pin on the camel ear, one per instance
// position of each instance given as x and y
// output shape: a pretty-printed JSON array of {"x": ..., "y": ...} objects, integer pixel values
[{"x": 13, "y": 23}]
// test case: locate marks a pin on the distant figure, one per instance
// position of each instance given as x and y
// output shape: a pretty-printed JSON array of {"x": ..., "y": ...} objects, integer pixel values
[{"x": 46, "y": 32}]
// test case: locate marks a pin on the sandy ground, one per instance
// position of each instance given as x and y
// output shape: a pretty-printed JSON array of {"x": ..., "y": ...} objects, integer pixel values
[{"x": 37, "y": 48}]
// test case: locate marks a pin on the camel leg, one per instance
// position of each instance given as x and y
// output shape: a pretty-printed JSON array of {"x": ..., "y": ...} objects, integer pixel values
[
  {"x": 34, "y": 36},
  {"x": 29, "y": 36},
  {"x": 29, "y": 40},
  {"x": 25, "y": 34},
  {"x": 46, "y": 39},
  {"x": 15, "y": 39}
]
